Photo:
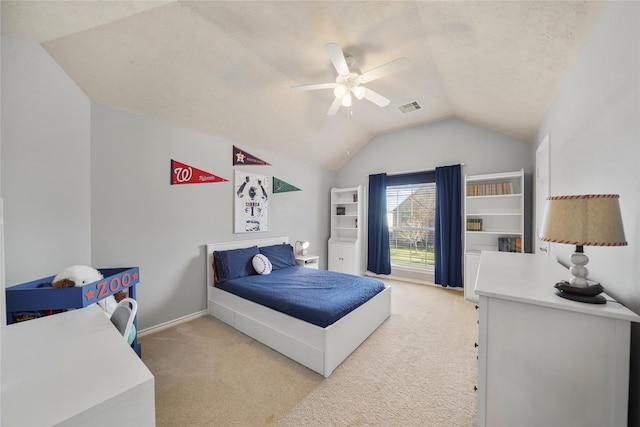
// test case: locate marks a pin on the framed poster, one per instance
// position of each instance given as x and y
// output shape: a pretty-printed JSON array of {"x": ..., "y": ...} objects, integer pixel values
[{"x": 251, "y": 202}]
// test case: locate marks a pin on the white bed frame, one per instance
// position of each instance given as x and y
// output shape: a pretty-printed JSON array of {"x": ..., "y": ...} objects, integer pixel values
[{"x": 320, "y": 349}]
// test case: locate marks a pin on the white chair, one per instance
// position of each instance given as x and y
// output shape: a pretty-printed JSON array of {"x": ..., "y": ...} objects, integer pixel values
[{"x": 123, "y": 316}]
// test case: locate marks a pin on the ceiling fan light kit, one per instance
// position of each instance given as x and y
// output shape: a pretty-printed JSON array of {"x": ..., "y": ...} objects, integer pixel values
[
  {"x": 339, "y": 91},
  {"x": 359, "y": 92},
  {"x": 346, "y": 100},
  {"x": 350, "y": 80}
]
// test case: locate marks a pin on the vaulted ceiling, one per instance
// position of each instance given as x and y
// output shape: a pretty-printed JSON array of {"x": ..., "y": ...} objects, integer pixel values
[{"x": 226, "y": 68}]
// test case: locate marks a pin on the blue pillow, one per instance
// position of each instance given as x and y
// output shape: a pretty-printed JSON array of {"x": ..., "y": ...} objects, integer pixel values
[
  {"x": 281, "y": 256},
  {"x": 234, "y": 263}
]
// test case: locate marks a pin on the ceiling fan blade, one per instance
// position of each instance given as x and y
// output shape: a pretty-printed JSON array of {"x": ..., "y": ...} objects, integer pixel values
[
  {"x": 376, "y": 98},
  {"x": 314, "y": 87},
  {"x": 337, "y": 58},
  {"x": 334, "y": 107},
  {"x": 384, "y": 70}
]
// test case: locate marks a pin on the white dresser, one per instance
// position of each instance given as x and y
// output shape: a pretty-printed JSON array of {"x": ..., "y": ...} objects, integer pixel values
[
  {"x": 73, "y": 368},
  {"x": 544, "y": 360}
]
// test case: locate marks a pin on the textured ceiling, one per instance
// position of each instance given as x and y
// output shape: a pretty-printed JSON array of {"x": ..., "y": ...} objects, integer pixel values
[{"x": 226, "y": 68}]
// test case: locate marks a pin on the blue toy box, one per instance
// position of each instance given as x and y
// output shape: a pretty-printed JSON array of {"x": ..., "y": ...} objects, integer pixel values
[{"x": 37, "y": 298}]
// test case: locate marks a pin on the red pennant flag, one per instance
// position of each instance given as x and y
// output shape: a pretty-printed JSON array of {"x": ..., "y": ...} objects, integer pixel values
[
  {"x": 185, "y": 174},
  {"x": 243, "y": 158}
]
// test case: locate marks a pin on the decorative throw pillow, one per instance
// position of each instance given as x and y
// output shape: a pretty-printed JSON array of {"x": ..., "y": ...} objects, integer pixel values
[
  {"x": 261, "y": 264},
  {"x": 234, "y": 263},
  {"x": 216, "y": 279},
  {"x": 281, "y": 256}
]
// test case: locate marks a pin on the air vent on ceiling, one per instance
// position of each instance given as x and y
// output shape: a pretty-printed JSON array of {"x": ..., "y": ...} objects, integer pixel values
[{"x": 407, "y": 108}]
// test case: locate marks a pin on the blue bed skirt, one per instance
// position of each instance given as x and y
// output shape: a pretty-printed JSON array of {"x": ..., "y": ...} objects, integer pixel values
[{"x": 319, "y": 297}]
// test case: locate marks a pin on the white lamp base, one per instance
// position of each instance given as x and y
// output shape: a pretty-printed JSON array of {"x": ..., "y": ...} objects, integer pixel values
[
  {"x": 303, "y": 247},
  {"x": 578, "y": 261}
]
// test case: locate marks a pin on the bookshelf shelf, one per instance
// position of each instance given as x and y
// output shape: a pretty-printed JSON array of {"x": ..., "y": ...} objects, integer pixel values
[
  {"x": 494, "y": 217},
  {"x": 495, "y": 196},
  {"x": 501, "y": 232}
]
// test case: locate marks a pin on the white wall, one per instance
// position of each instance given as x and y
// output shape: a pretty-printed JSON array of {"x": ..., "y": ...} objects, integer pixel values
[
  {"x": 45, "y": 165},
  {"x": 140, "y": 219},
  {"x": 595, "y": 141},
  {"x": 3, "y": 310},
  {"x": 444, "y": 143},
  {"x": 595, "y": 148},
  {"x": 86, "y": 184}
]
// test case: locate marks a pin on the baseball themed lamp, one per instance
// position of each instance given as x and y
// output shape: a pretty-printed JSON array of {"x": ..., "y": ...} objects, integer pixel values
[{"x": 582, "y": 220}]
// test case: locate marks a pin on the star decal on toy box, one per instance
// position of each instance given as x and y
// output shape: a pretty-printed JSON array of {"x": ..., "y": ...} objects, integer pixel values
[{"x": 114, "y": 281}]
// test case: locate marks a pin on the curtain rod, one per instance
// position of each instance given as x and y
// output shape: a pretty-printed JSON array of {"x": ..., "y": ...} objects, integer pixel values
[{"x": 419, "y": 170}]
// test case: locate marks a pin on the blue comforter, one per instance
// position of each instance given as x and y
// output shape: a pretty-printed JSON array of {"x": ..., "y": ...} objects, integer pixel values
[{"x": 316, "y": 296}]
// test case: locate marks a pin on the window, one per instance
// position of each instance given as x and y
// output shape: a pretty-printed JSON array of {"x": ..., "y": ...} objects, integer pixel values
[{"x": 411, "y": 217}]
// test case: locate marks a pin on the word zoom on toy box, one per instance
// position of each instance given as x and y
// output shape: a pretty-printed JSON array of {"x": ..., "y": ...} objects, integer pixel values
[{"x": 39, "y": 295}]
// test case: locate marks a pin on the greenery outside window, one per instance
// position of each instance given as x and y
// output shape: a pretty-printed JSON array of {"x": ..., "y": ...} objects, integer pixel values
[{"x": 411, "y": 219}]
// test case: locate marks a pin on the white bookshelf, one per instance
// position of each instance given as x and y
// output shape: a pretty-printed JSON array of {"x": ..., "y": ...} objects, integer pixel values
[
  {"x": 347, "y": 222},
  {"x": 493, "y": 219}
]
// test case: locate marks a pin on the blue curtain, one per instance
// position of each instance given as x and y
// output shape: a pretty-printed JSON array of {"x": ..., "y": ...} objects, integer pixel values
[
  {"x": 448, "y": 229},
  {"x": 378, "y": 257}
]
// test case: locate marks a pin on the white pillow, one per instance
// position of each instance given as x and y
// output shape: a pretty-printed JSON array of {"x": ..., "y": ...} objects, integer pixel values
[{"x": 261, "y": 264}]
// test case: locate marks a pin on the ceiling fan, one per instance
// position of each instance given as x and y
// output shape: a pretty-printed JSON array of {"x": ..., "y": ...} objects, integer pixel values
[{"x": 350, "y": 79}]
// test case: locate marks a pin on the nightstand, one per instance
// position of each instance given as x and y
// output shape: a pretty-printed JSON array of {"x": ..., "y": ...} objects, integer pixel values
[{"x": 309, "y": 261}]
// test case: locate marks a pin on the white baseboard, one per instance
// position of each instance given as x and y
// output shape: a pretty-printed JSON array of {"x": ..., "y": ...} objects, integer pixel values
[{"x": 171, "y": 323}]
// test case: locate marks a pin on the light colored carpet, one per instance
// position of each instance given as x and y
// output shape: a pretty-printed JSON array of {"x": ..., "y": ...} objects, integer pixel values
[{"x": 417, "y": 369}]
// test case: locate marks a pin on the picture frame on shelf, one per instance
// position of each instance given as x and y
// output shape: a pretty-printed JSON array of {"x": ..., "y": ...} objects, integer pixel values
[{"x": 340, "y": 210}]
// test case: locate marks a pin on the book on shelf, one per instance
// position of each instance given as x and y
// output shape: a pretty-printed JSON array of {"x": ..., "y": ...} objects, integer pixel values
[
  {"x": 509, "y": 244},
  {"x": 490, "y": 189},
  {"x": 474, "y": 224}
]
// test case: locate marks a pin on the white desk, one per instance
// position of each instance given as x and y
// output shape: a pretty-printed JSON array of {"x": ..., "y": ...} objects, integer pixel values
[
  {"x": 73, "y": 368},
  {"x": 544, "y": 360}
]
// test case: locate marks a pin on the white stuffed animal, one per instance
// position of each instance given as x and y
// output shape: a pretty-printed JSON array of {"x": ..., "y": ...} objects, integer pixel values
[
  {"x": 80, "y": 275},
  {"x": 77, "y": 275}
]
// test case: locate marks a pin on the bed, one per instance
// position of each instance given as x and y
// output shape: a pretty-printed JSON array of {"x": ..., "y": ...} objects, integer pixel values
[{"x": 320, "y": 348}]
